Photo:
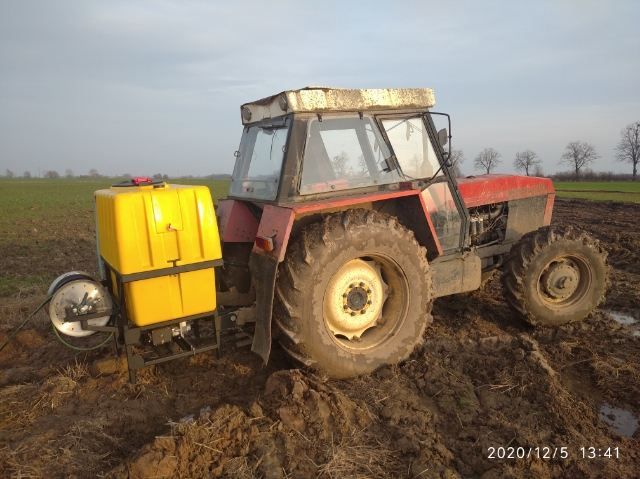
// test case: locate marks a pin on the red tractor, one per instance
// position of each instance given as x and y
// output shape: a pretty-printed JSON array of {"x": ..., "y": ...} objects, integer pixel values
[{"x": 344, "y": 222}]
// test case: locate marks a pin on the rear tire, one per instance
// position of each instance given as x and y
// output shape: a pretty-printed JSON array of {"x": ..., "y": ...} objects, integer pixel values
[
  {"x": 555, "y": 275},
  {"x": 354, "y": 293}
]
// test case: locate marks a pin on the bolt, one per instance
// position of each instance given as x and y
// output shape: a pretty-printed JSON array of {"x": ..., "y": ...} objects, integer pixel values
[
  {"x": 369, "y": 302},
  {"x": 353, "y": 313},
  {"x": 345, "y": 307},
  {"x": 352, "y": 285},
  {"x": 361, "y": 284},
  {"x": 368, "y": 291},
  {"x": 362, "y": 311},
  {"x": 345, "y": 295}
]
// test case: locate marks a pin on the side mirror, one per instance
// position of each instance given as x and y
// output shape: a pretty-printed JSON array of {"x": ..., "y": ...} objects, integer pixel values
[{"x": 443, "y": 137}]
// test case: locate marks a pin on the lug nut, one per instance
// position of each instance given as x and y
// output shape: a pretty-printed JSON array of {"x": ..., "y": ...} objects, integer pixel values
[
  {"x": 368, "y": 291},
  {"x": 353, "y": 313},
  {"x": 362, "y": 311},
  {"x": 345, "y": 307},
  {"x": 361, "y": 284},
  {"x": 369, "y": 302}
]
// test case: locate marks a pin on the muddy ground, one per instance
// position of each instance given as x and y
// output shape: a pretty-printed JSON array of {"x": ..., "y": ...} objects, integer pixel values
[{"x": 482, "y": 380}]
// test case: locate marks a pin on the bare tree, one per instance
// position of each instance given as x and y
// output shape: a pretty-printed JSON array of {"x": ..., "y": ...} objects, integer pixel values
[
  {"x": 51, "y": 174},
  {"x": 628, "y": 149},
  {"x": 341, "y": 165},
  {"x": 456, "y": 159},
  {"x": 8, "y": 173},
  {"x": 487, "y": 160},
  {"x": 578, "y": 154},
  {"x": 26, "y": 174},
  {"x": 526, "y": 160}
]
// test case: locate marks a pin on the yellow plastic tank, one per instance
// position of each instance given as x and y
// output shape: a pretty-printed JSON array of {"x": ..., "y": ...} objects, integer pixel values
[{"x": 148, "y": 228}]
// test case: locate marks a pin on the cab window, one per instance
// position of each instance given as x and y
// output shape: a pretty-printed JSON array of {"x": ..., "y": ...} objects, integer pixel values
[
  {"x": 412, "y": 147},
  {"x": 343, "y": 153}
]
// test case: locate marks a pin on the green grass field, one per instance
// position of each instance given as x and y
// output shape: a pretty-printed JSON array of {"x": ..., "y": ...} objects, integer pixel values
[{"x": 625, "y": 191}]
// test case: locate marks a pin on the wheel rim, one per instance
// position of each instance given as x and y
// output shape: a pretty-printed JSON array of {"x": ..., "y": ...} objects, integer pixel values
[
  {"x": 365, "y": 302},
  {"x": 564, "y": 281}
]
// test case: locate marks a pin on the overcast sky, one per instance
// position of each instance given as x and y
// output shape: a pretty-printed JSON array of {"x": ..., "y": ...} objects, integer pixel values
[{"x": 143, "y": 87}]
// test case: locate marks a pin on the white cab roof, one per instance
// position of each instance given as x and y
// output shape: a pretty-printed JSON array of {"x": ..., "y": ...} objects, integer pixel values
[{"x": 322, "y": 99}]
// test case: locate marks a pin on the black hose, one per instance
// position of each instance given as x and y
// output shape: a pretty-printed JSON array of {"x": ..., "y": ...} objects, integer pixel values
[
  {"x": 22, "y": 325},
  {"x": 13, "y": 334}
]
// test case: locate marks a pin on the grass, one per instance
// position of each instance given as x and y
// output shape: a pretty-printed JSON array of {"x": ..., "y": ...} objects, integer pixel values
[
  {"x": 62, "y": 198},
  {"x": 625, "y": 191}
]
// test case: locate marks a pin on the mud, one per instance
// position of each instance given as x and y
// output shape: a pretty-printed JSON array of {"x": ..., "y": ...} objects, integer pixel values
[{"x": 481, "y": 380}]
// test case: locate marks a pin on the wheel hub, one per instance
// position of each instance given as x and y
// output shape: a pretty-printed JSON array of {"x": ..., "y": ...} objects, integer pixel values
[
  {"x": 358, "y": 298},
  {"x": 354, "y": 299},
  {"x": 561, "y": 281}
]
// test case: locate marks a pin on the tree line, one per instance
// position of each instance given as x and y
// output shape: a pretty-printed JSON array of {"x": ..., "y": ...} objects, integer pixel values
[{"x": 577, "y": 155}]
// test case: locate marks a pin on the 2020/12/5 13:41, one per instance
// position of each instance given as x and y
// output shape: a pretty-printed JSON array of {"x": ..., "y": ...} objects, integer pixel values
[{"x": 551, "y": 452}]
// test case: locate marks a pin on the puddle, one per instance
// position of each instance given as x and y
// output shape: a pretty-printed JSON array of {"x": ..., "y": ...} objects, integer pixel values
[
  {"x": 622, "y": 318},
  {"x": 620, "y": 420},
  {"x": 626, "y": 319}
]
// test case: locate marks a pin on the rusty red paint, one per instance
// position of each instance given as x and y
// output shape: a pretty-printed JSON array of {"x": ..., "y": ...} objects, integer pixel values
[
  {"x": 354, "y": 201},
  {"x": 351, "y": 201},
  {"x": 276, "y": 223},
  {"x": 237, "y": 223},
  {"x": 487, "y": 189}
]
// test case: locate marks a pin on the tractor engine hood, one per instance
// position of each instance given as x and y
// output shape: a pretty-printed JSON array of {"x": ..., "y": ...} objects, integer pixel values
[{"x": 489, "y": 189}]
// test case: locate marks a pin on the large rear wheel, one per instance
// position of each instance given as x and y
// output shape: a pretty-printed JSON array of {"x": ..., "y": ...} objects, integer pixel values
[
  {"x": 555, "y": 275},
  {"x": 353, "y": 294}
]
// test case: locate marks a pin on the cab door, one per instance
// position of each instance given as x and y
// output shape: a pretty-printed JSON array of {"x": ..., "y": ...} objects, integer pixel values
[{"x": 420, "y": 158}]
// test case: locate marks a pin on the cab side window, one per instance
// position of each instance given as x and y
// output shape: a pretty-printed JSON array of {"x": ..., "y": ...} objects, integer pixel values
[
  {"x": 343, "y": 153},
  {"x": 413, "y": 149}
]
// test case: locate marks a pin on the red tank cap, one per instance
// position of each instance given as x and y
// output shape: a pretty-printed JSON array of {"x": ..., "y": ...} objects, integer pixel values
[{"x": 141, "y": 179}]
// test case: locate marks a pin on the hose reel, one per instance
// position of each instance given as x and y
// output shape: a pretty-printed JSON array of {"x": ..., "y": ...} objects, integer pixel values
[{"x": 78, "y": 304}]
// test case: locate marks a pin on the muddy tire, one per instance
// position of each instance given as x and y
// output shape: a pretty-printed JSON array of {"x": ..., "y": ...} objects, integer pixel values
[
  {"x": 555, "y": 275},
  {"x": 354, "y": 293}
]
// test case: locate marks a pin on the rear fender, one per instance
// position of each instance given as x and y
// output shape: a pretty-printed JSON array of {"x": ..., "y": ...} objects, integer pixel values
[{"x": 277, "y": 223}]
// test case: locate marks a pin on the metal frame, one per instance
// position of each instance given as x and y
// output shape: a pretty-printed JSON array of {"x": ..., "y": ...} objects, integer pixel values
[{"x": 128, "y": 336}]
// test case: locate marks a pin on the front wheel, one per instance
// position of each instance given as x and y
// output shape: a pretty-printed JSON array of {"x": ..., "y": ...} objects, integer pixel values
[
  {"x": 555, "y": 275},
  {"x": 353, "y": 294}
]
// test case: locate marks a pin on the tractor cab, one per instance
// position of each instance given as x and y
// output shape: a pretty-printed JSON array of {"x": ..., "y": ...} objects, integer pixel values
[{"x": 318, "y": 144}]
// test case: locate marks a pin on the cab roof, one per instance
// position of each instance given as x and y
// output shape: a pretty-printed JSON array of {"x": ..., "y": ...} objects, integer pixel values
[{"x": 324, "y": 99}]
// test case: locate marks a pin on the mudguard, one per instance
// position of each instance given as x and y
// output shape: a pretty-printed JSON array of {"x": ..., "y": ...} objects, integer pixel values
[{"x": 263, "y": 270}]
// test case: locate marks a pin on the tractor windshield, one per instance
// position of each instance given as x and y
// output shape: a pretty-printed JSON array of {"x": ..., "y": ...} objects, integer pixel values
[{"x": 259, "y": 161}]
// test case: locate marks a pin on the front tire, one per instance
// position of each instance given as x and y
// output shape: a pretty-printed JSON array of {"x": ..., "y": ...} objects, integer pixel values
[
  {"x": 353, "y": 294},
  {"x": 555, "y": 275}
]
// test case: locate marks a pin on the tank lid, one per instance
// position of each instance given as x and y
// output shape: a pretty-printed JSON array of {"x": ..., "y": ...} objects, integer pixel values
[{"x": 140, "y": 181}]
